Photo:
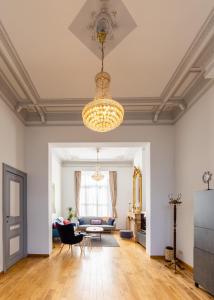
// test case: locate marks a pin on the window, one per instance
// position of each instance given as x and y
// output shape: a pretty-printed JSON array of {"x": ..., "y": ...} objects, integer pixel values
[{"x": 95, "y": 198}]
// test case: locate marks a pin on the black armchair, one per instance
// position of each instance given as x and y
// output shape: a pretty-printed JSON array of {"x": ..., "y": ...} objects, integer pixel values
[{"x": 68, "y": 236}]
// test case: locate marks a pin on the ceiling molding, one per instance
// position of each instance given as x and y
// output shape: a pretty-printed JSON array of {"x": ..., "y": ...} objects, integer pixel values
[
  {"x": 79, "y": 123},
  {"x": 9, "y": 104},
  {"x": 195, "y": 50},
  {"x": 29, "y": 89},
  {"x": 203, "y": 87},
  {"x": 92, "y": 164},
  {"x": 76, "y": 105},
  {"x": 19, "y": 91}
]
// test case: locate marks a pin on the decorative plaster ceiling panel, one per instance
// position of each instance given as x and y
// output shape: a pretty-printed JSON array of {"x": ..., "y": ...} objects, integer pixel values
[
  {"x": 31, "y": 109},
  {"x": 140, "y": 108},
  {"x": 158, "y": 70},
  {"x": 189, "y": 79},
  {"x": 210, "y": 71},
  {"x": 84, "y": 25},
  {"x": 10, "y": 78},
  {"x": 60, "y": 109},
  {"x": 60, "y": 66}
]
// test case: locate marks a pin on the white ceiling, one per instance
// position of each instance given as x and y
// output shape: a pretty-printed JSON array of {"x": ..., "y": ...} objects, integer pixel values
[
  {"x": 47, "y": 73},
  {"x": 141, "y": 65},
  {"x": 89, "y": 154}
]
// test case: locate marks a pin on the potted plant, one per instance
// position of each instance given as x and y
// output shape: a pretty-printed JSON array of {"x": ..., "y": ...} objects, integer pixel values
[{"x": 71, "y": 214}]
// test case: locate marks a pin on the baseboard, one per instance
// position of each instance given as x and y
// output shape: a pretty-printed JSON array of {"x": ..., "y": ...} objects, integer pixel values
[
  {"x": 38, "y": 255},
  {"x": 190, "y": 268}
]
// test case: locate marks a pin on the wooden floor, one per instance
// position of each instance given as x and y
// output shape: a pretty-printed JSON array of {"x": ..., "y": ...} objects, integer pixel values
[{"x": 122, "y": 273}]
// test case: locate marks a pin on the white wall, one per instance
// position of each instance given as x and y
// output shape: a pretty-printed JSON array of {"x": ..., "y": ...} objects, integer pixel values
[
  {"x": 162, "y": 176},
  {"x": 194, "y": 155},
  {"x": 124, "y": 195},
  {"x": 11, "y": 151},
  {"x": 56, "y": 181},
  {"x": 191, "y": 140}
]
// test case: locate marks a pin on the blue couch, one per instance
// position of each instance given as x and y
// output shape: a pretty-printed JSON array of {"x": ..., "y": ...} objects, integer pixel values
[{"x": 108, "y": 224}]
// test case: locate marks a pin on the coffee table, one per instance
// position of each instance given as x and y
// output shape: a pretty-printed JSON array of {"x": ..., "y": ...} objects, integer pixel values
[{"x": 95, "y": 231}]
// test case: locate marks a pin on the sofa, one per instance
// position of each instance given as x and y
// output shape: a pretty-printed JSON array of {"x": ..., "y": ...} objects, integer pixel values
[{"x": 108, "y": 224}]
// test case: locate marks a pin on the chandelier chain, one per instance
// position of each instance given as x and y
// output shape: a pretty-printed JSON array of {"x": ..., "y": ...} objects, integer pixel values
[
  {"x": 102, "y": 67},
  {"x": 103, "y": 113}
]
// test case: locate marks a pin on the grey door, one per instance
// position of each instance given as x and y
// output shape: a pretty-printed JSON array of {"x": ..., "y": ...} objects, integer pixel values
[{"x": 14, "y": 215}]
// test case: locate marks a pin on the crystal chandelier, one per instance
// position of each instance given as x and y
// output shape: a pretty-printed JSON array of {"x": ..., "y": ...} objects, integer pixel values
[
  {"x": 97, "y": 176},
  {"x": 103, "y": 113}
]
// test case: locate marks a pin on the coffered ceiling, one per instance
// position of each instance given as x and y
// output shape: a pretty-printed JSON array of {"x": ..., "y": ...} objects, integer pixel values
[{"x": 159, "y": 69}]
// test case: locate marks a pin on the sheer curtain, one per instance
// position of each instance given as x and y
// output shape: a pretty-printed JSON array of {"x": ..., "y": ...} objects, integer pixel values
[
  {"x": 77, "y": 177},
  {"x": 95, "y": 197},
  {"x": 113, "y": 190}
]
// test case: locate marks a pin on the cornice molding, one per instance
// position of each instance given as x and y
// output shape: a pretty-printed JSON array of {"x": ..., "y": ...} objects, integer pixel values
[
  {"x": 92, "y": 164},
  {"x": 195, "y": 50},
  {"x": 31, "y": 91},
  {"x": 32, "y": 110},
  {"x": 193, "y": 98}
]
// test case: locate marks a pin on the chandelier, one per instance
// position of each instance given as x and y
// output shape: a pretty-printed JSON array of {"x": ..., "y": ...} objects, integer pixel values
[
  {"x": 103, "y": 113},
  {"x": 97, "y": 176}
]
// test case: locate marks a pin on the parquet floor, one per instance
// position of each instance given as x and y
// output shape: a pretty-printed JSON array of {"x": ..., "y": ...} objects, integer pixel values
[{"x": 120, "y": 273}]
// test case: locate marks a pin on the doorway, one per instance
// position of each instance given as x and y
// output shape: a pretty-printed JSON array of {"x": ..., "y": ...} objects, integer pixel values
[
  {"x": 14, "y": 216},
  {"x": 66, "y": 158}
]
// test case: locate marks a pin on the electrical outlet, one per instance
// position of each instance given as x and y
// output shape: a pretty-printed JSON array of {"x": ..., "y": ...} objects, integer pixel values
[{"x": 180, "y": 252}]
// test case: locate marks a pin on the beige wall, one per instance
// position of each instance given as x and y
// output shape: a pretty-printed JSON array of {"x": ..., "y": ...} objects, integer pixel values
[
  {"x": 11, "y": 151},
  {"x": 194, "y": 150},
  {"x": 162, "y": 176},
  {"x": 185, "y": 150}
]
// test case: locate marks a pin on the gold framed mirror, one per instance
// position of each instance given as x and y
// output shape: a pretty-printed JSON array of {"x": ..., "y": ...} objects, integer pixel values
[{"x": 137, "y": 190}]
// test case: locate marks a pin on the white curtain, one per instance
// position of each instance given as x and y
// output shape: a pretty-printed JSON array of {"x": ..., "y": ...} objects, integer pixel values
[
  {"x": 113, "y": 190},
  {"x": 95, "y": 197},
  {"x": 77, "y": 177}
]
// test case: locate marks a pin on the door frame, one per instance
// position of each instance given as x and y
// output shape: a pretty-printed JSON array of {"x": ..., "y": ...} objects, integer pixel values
[{"x": 6, "y": 168}]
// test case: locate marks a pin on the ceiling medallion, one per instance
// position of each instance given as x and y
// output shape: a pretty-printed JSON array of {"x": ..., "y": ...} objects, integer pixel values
[
  {"x": 103, "y": 18},
  {"x": 97, "y": 176},
  {"x": 116, "y": 18},
  {"x": 103, "y": 113}
]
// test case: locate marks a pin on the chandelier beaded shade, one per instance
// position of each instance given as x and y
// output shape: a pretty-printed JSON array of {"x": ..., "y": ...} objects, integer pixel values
[
  {"x": 103, "y": 113},
  {"x": 97, "y": 175}
]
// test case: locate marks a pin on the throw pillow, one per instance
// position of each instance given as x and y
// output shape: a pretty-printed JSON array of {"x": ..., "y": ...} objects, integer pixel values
[
  {"x": 81, "y": 221},
  {"x": 111, "y": 221},
  {"x": 96, "y": 222},
  {"x": 59, "y": 220},
  {"x": 66, "y": 222}
]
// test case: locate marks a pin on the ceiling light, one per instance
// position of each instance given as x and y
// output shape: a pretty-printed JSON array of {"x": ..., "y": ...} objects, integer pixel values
[
  {"x": 103, "y": 113},
  {"x": 97, "y": 176}
]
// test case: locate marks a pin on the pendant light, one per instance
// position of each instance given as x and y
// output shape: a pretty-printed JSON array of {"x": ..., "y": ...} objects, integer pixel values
[
  {"x": 103, "y": 113},
  {"x": 97, "y": 176}
]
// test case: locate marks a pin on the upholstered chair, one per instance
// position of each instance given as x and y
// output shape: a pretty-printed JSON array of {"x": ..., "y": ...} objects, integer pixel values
[{"x": 68, "y": 236}]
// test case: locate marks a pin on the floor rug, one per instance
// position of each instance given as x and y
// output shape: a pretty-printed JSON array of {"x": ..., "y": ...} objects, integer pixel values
[{"x": 107, "y": 240}]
